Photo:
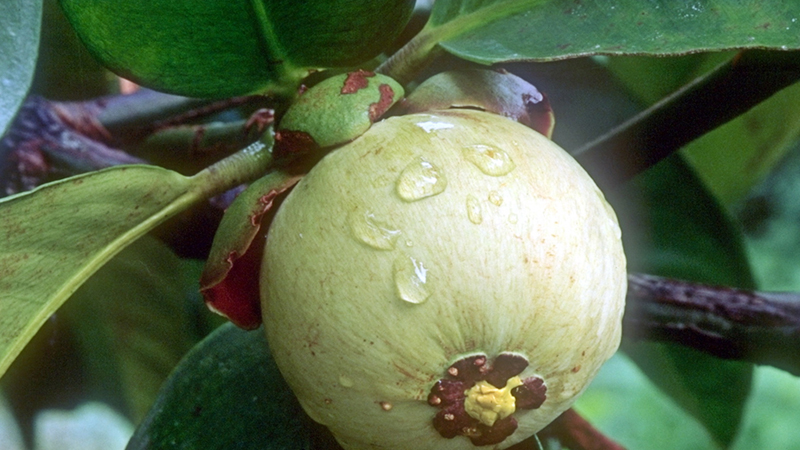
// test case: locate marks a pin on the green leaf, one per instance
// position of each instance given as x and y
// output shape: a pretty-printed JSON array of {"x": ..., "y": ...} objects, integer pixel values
[
  {"x": 504, "y": 30},
  {"x": 65, "y": 71},
  {"x": 736, "y": 156},
  {"x": 221, "y": 48},
  {"x": 227, "y": 393},
  {"x": 626, "y": 406},
  {"x": 686, "y": 234},
  {"x": 53, "y": 238},
  {"x": 20, "y": 21},
  {"x": 133, "y": 322},
  {"x": 650, "y": 78}
]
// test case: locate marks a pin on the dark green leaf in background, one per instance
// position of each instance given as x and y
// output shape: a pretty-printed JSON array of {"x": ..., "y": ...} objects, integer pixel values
[
  {"x": 511, "y": 30},
  {"x": 734, "y": 157},
  {"x": 221, "y": 48},
  {"x": 20, "y": 21},
  {"x": 685, "y": 234},
  {"x": 134, "y": 320},
  {"x": 227, "y": 394},
  {"x": 65, "y": 70}
]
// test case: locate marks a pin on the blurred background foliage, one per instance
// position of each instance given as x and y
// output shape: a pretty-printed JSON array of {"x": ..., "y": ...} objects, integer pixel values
[{"x": 103, "y": 357}]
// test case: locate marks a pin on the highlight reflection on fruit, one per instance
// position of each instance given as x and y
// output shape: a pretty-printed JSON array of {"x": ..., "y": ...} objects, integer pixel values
[{"x": 447, "y": 279}]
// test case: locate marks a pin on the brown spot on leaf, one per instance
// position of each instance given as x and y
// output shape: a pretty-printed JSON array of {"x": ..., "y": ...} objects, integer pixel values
[{"x": 356, "y": 80}]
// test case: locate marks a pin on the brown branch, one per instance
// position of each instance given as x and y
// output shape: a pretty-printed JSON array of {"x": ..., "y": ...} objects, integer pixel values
[
  {"x": 759, "y": 327},
  {"x": 48, "y": 140}
]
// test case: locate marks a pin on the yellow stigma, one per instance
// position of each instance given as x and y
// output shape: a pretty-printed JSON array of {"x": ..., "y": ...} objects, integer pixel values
[{"x": 488, "y": 403}]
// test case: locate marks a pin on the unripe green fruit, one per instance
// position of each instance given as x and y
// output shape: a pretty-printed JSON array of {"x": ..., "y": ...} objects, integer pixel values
[{"x": 445, "y": 280}]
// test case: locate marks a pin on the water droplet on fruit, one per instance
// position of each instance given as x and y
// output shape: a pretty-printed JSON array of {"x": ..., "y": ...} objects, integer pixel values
[
  {"x": 419, "y": 180},
  {"x": 431, "y": 125},
  {"x": 410, "y": 278},
  {"x": 512, "y": 218},
  {"x": 371, "y": 231},
  {"x": 495, "y": 198},
  {"x": 489, "y": 159},
  {"x": 474, "y": 210},
  {"x": 345, "y": 382}
]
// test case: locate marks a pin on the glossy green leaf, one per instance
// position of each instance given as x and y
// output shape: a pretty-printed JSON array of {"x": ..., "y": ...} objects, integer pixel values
[
  {"x": 491, "y": 31},
  {"x": 221, "y": 48},
  {"x": 686, "y": 234},
  {"x": 20, "y": 21},
  {"x": 226, "y": 394}
]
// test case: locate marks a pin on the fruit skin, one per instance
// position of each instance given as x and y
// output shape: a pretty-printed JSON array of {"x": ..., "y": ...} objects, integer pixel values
[{"x": 541, "y": 275}]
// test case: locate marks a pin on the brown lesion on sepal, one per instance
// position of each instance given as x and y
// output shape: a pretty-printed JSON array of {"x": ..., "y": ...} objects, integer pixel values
[
  {"x": 356, "y": 80},
  {"x": 386, "y": 100},
  {"x": 449, "y": 394},
  {"x": 291, "y": 143}
]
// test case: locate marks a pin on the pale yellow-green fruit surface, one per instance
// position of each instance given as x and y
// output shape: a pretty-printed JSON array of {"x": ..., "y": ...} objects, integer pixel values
[{"x": 431, "y": 237}]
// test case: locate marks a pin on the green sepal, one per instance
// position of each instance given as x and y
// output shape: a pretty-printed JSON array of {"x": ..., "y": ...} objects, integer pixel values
[{"x": 337, "y": 110}]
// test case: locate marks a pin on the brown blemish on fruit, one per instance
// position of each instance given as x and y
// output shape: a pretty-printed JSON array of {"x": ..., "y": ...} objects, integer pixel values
[
  {"x": 355, "y": 81},
  {"x": 449, "y": 394},
  {"x": 377, "y": 109}
]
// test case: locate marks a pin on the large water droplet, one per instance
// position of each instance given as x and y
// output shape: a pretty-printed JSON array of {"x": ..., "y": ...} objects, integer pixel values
[
  {"x": 489, "y": 159},
  {"x": 474, "y": 210},
  {"x": 495, "y": 198},
  {"x": 419, "y": 180},
  {"x": 410, "y": 278},
  {"x": 369, "y": 230}
]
